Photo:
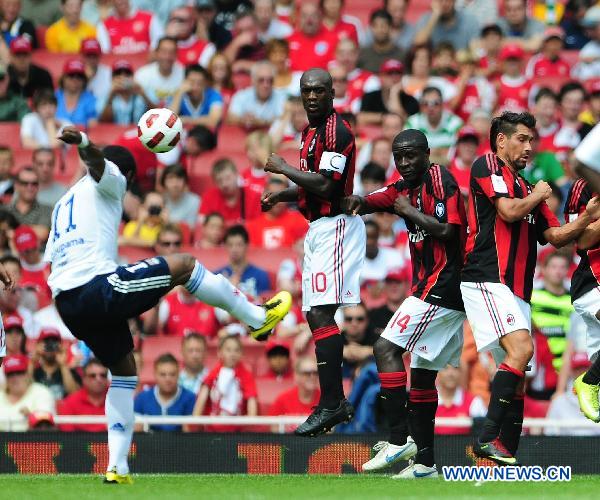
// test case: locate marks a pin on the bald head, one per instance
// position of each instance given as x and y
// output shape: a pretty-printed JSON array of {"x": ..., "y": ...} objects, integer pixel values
[
  {"x": 318, "y": 76},
  {"x": 411, "y": 138},
  {"x": 316, "y": 90}
]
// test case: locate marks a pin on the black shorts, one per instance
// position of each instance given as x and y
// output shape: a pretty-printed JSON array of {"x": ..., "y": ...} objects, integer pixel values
[{"x": 98, "y": 312}]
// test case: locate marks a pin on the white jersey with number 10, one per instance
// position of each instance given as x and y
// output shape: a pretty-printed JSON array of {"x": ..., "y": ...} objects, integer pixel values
[{"x": 85, "y": 228}]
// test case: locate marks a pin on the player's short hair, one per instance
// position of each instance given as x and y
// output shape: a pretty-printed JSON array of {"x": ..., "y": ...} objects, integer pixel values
[
  {"x": 234, "y": 338},
  {"x": 164, "y": 359},
  {"x": 204, "y": 137},
  {"x": 213, "y": 215},
  {"x": 92, "y": 362},
  {"x": 545, "y": 92},
  {"x": 414, "y": 137},
  {"x": 221, "y": 165},
  {"x": 507, "y": 123},
  {"x": 372, "y": 172},
  {"x": 122, "y": 158},
  {"x": 237, "y": 230},
  {"x": 193, "y": 336},
  {"x": 196, "y": 68},
  {"x": 177, "y": 170},
  {"x": 570, "y": 87},
  {"x": 380, "y": 14}
]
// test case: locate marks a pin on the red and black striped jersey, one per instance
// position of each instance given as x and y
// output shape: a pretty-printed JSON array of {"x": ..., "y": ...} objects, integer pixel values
[
  {"x": 436, "y": 264},
  {"x": 587, "y": 275},
  {"x": 499, "y": 251},
  {"x": 328, "y": 149}
]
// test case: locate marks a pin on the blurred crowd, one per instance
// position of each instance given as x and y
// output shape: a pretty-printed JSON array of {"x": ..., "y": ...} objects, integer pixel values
[{"x": 231, "y": 70}]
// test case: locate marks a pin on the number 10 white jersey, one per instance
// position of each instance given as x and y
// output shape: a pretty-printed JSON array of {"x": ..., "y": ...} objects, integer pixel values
[{"x": 85, "y": 226}]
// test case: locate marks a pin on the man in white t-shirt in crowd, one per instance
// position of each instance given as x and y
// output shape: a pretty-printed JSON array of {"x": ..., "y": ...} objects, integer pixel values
[
  {"x": 269, "y": 26},
  {"x": 259, "y": 105},
  {"x": 193, "y": 353},
  {"x": 44, "y": 163},
  {"x": 378, "y": 260},
  {"x": 161, "y": 79}
]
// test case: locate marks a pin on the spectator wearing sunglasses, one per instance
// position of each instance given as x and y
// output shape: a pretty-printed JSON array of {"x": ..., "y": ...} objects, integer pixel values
[
  {"x": 25, "y": 206},
  {"x": 25, "y": 77},
  {"x": 75, "y": 103},
  {"x": 89, "y": 400},
  {"x": 182, "y": 204},
  {"x": 358, "y": 338}
]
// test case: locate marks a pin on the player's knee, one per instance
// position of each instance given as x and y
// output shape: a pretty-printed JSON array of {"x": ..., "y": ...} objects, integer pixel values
[
  {"x": 384, "y": 351},
  {"x": 188, "y": 262},
  {"x": 319, "y": 317}
]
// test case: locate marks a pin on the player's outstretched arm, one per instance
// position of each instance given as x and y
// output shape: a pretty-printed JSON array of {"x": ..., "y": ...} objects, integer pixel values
[
  {"x": 91, "y": 155},
  {"x": 515, "y": 209},
  {"x": 269, "y": 200},
  {"x": 563, "y": 235},
  {"x": 443, "y": 231},
  {"x": 356, "y": 205},
  {"x": 314, "y": 183}
]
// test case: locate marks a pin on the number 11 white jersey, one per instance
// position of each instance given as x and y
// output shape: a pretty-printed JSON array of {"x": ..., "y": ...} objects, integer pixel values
[{"x": 85, "y": 228}]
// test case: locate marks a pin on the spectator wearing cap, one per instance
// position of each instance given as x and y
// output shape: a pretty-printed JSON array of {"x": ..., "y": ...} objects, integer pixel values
[
  {"x": 34, "y": 271},
  {"x": 25, "y": 205},
  {"x": 549, "y": 61},
  {"x": 89, "y": 400},
  {"x": 446, "y": 23},
  {"x": 278, "y": 360},
  {"x": 311, "y": 44},
  {"x": 50, "y": 365},
  {"x": 490, "y": 43},
  {"x": 391, "y": 97},
  {"x": 382, "y": 48},
  {"x": 182, "y": 204},
  {"x": 12, "y": 106},
  {"x": 16, "y": 341},
  {"x": 269, "y": 25},
  {"x": 472, "y": 90},
  {"x": 259, "y": 105},
  {"x": 196, "y": 102},
  {"x": 65, "y": 35},
  {"x": 519, "y": 28},
  {"x": 564, "y": 406},
  {"x": 127, "y": 101},
  {"x": 21, "y": 397},
  {"x": 39, "y": 129},
  {"x": 303, "y": 396},
  {"x": 161, "y": 79},
  {"x": 193, "y": 356},
  {"x": 395, "y": 289},
  {"x": 129, "y": 31},
  {"x": 439, "y": 125},
  {"x": 513, "y": 87},
  {"x": 13, "y": 25},
  {"x": 75, "y": 103},
  {"x": 41, "y": 12},
  {"x": 191, "y": 49},
  {"x": 43, "y": 161},
  {"x": 280, "y": 227},
  {"x": 99, "y": 75},
  {"x": 25, "y": 77},
  {"x": 467, "y": 148}
]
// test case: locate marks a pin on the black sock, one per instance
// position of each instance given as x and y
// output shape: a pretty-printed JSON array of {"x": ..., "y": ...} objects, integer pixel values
[
  {"x": 393, "y": 400},
  {"x": 422, "y": 406},
  {"x": 329, "y": 347},
  {"x": 510, "y": 432},
  {"x": 592, "y": 376},
  {"x": 504, "y": 387}
]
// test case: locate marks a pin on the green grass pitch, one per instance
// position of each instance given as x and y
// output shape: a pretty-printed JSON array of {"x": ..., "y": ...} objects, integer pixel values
[{"x": 283, "y": 487}]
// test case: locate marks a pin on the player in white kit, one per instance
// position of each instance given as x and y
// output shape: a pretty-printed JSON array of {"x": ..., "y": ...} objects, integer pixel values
[{"x": 95, "y": 297}]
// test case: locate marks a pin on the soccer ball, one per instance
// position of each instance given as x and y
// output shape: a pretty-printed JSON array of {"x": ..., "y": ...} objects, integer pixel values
[{"x": 159, "y": 130}]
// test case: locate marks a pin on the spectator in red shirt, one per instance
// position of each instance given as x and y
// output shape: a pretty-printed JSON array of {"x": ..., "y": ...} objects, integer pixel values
[
  {"x": 513, "y": 86},
  {"x": 229, "y": 388},
  {"x": 34, "y": 271},
  {"x": 549, "y": 62},
  {"x": 342, "y": 26},
  {"x": 344, "y": 101},
  {"x": 467, "y": 147},
  {"x": 180, "y": 313},
  {"x": 456, "y": 402},
  {"x": 278, "y": 358},
  {"x": 300, "y": 399},
  {"x": 16, "y": 341},
  {"x": 213, "y": 230},
  {"x": 258, "y": 149},
  {"x": 89, "y": 400},
  {"x": 280, "y": 227},
  {"x": 311, "y": 44},
  {"x": 545, "y": 112},
  {"x": 360, "y": 81},
  {"x": 236, "y": 203},
  {"x": 190, "y": 48}
]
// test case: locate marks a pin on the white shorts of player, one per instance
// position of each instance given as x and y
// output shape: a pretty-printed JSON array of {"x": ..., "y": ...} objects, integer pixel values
[
  {"x": 587, "y": 306},
  {"x": 493, "y": 310},
  {"x": 433, "y": 334},
  {"x": 2, "y": 339},
  {"x": 334, "y": 252}
]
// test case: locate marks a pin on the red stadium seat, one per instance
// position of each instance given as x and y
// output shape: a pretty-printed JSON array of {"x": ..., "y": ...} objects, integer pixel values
[
  {"x": 570, "y": 56},
  {"x": 133, "y": 254},
  {"x": 106, "y": 133},
  {"x": 136, "y": 60},
  {"x": 370, "y": 131},
  {"x": 10, "y": 134},
  {"x": 199, "y": 183},
  {"x": 21, "y": 158},
  {"x": 232, "y": 138},
  {"x": 68, "y": 166},
  {"x": 552, "y": 82},
  {"x": 204, "y": 163}
]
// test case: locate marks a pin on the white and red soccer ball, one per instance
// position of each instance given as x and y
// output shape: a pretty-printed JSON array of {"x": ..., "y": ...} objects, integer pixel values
[{"x": 159, "y": 130}]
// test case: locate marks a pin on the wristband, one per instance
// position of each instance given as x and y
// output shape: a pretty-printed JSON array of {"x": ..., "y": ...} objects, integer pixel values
[{"x": 85, "y": 142}]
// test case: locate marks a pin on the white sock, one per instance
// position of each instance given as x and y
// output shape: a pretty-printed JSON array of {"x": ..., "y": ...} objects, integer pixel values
[
  {"x": 215, "y": 290},
  {"x": 119, "y": 414}
]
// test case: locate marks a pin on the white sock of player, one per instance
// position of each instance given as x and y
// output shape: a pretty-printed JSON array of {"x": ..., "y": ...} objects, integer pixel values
[
  {"x": 119, "y": 414},
  {"x": 215, "y": 290}
]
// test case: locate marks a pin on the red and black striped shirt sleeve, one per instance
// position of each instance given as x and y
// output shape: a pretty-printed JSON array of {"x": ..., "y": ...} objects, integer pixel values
[
  {"x": 544, "y": 219},
  {"x": 338, "y": 146},
  {"x": 579, "y": 196},
  {"x": 446, "y": 193},
  {"x": 486, "y": 174},
  {"x": 383, "y": 199}
]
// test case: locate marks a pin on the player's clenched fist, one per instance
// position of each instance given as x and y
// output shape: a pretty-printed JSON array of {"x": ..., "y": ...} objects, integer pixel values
[
  {"x": 543, "y": 188},
  {"x": 351, "y": 205},
  {"x": 401, "y": 204},
  {"x": 275, "y": 164},
  {"x": 593, "y": 208},
  {"x": 268, "y": 201},
  {"x": 70, "y": 135}
]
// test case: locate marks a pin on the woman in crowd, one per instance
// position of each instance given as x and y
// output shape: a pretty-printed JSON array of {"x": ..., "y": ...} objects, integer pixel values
[
  {"x": 75, "y": 104},
  {"x": 219, "y": 70}
]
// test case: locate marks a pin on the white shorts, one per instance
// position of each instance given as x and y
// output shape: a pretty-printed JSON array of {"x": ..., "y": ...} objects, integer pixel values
[
  {"x": 334, "y": 252},
  {"x": 433, "y": 334},
  {"x": 493, "y": 310},
  {"x": 587, "y": 306}
]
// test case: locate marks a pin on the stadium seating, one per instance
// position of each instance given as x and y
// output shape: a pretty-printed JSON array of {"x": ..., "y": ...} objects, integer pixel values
[{"x": 106, "y": 133}]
